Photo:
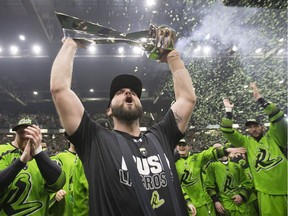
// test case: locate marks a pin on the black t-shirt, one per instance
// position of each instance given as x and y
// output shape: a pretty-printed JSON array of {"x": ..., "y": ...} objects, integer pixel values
[{"x": 110, "y": 189}]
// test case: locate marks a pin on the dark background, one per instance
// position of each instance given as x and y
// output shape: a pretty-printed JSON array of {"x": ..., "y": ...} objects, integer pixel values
[{"x": 224, "y": 72}]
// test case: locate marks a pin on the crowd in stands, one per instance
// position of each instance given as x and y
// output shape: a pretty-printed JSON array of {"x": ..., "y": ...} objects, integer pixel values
[{"x": 56, "y": 142}]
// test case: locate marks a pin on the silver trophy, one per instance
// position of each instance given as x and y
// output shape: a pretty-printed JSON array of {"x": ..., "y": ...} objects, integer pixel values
[{"x": 157, "y": 41}]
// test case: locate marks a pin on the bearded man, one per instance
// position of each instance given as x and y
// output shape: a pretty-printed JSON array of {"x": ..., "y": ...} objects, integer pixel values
[
  {"x": 129, "y": 173},
  {"x": 265, "y": 154}
]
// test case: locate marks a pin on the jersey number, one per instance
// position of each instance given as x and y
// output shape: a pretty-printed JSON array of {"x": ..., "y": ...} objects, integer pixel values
[{"x": 15, "y": 201}]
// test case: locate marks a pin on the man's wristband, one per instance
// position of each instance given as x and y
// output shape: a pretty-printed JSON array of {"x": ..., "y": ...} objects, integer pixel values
[
  {"x": 38, "y": 150},
  {"x": 228, "y": 109},
  {"x": 262, "y": 102},
  {"x": 225, "y": 151}
]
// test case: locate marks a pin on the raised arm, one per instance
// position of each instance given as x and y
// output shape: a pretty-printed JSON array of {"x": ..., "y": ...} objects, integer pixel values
[
  {"x": 226, "y": 126},
  {"x": 278, "y": 122},
  {"x": 68, "y": 105},
  {"x": 183, "y": 89},
  {"x": 255, "y": 90}
]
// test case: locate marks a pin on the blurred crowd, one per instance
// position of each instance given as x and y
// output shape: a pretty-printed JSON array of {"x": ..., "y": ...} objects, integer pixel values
[{"x": 56, "y": 141}]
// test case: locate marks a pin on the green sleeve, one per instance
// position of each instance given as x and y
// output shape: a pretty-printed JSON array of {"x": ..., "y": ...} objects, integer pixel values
[
  {"x": 58, "y": 184},
  {"x": 80, "y": 190},
  {"x": 186, "y": 196},
  {"x": 231, "y": 134},
  {"x": 278, "y": 125},
  {"x": 211, "y": 154},
  {"x": 210, "y": 183}
]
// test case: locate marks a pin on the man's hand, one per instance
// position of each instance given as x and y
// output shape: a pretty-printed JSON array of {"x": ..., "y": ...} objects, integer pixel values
[
  {"x": 234, "y": 151},
  {"x": 219, "y": 208},
  {"x": 228, "y": 106},
  {"x": 26, "y": 154},
  {"x": 192, "y": 209},
  {"x": 237, "y": 199},
  {"x": 78, "y": 43},
  {"x": 35, "y": 139},
  {"x": 256, "y": 93},
  {"x": 60, "y": 195},
  {"x": 227, "y": 103}
]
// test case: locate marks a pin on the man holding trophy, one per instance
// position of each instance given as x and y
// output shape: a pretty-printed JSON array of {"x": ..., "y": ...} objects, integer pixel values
[{"x": 129, "y": 172}]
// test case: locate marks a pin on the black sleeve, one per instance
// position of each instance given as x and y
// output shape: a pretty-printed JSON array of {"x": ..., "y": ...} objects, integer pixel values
[
  {"x": 8, "y": 175},
  {"x": 243, "y": 197},
  {"x": 176, "y": 156},
  {"x": 215, "y": 198},
  {"x": 229, "y": 115},
  {"x": 50, "y": 170},
  {"x": 263, "y": 103}
]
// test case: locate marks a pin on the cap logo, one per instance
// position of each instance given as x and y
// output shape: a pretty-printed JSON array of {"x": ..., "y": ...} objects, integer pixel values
[{"x": 25, "y": 121}]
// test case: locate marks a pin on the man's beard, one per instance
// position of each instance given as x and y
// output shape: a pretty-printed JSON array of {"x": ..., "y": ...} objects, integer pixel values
[
  {"x": 22, "y": 143},
  {"x": 123, "y": 114},
  {"x": 257, "y": 137}
]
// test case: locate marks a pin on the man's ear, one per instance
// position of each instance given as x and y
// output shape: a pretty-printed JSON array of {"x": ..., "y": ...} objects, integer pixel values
[{"x": 109, "y": 112}]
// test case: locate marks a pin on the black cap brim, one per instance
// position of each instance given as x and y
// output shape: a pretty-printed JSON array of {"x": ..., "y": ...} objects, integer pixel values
[
  {"x": 125, "y": 81},
  {"x": 19, "y": 126},
  {"x": 252, "y": 122}
]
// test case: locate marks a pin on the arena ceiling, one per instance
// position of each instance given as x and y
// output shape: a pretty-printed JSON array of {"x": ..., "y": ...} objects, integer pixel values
[{"x": 220, "y": 26}]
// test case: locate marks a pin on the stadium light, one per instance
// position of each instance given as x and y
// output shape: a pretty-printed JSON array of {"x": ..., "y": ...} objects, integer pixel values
[
  {"x": 36, "y": 49},
  {"x": 22, "y": 37},
  {"x": 14, "y": 50},
  {"x": 150, "y": 3},
  {"x": 121, "y": 50},
  {"x": 92, "y": 49}
]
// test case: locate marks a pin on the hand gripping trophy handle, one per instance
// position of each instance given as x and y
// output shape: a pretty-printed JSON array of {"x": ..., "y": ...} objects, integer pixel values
[{"x": 164, "y": 39}]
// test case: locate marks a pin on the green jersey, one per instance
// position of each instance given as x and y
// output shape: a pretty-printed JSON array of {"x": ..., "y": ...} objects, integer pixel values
[
  {"x": 226, "y": 179},
  {"x": 80, "y": 190},
  {"x": 64, "y": 207},
  {"x": 189, "y": 171},
  {"x": 28, "y": 194},
  {"x": 266, "y": 160}
]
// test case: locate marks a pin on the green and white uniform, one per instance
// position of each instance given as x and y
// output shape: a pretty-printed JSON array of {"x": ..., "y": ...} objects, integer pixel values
[
  {"x": 189, "y": 171},
  {"x": 267, "y": 162},
  {"x": 80, "y": 190},
  {"x": 252, "y": 202},
  {"x": 28, "y": 194},
  {"x": 64, "y": 206},
  {"x": 226, "y": 179}
]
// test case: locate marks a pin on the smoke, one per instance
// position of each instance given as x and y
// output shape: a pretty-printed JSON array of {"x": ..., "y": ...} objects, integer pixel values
[{"x": 224, "y": 27}]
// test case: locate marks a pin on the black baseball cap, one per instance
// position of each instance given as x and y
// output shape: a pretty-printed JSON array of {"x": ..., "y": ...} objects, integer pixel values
[
  {"x": 182, "y": 142},
  {"x": 252, "y": 121},
  {"x": 24, "y": 122},
  {"x": 125, "y": 81}
]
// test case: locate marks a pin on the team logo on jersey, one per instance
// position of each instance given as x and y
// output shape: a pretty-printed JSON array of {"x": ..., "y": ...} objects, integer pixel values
[
  {"x": 150, "y": 169},
  {"x": 229, "y": 184},
  {"x": 187, "y": 178},
  {"x": 15, "y": 201},
  {"x": 156, "y": 202},
  {"x": 263, "y": 160}
]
